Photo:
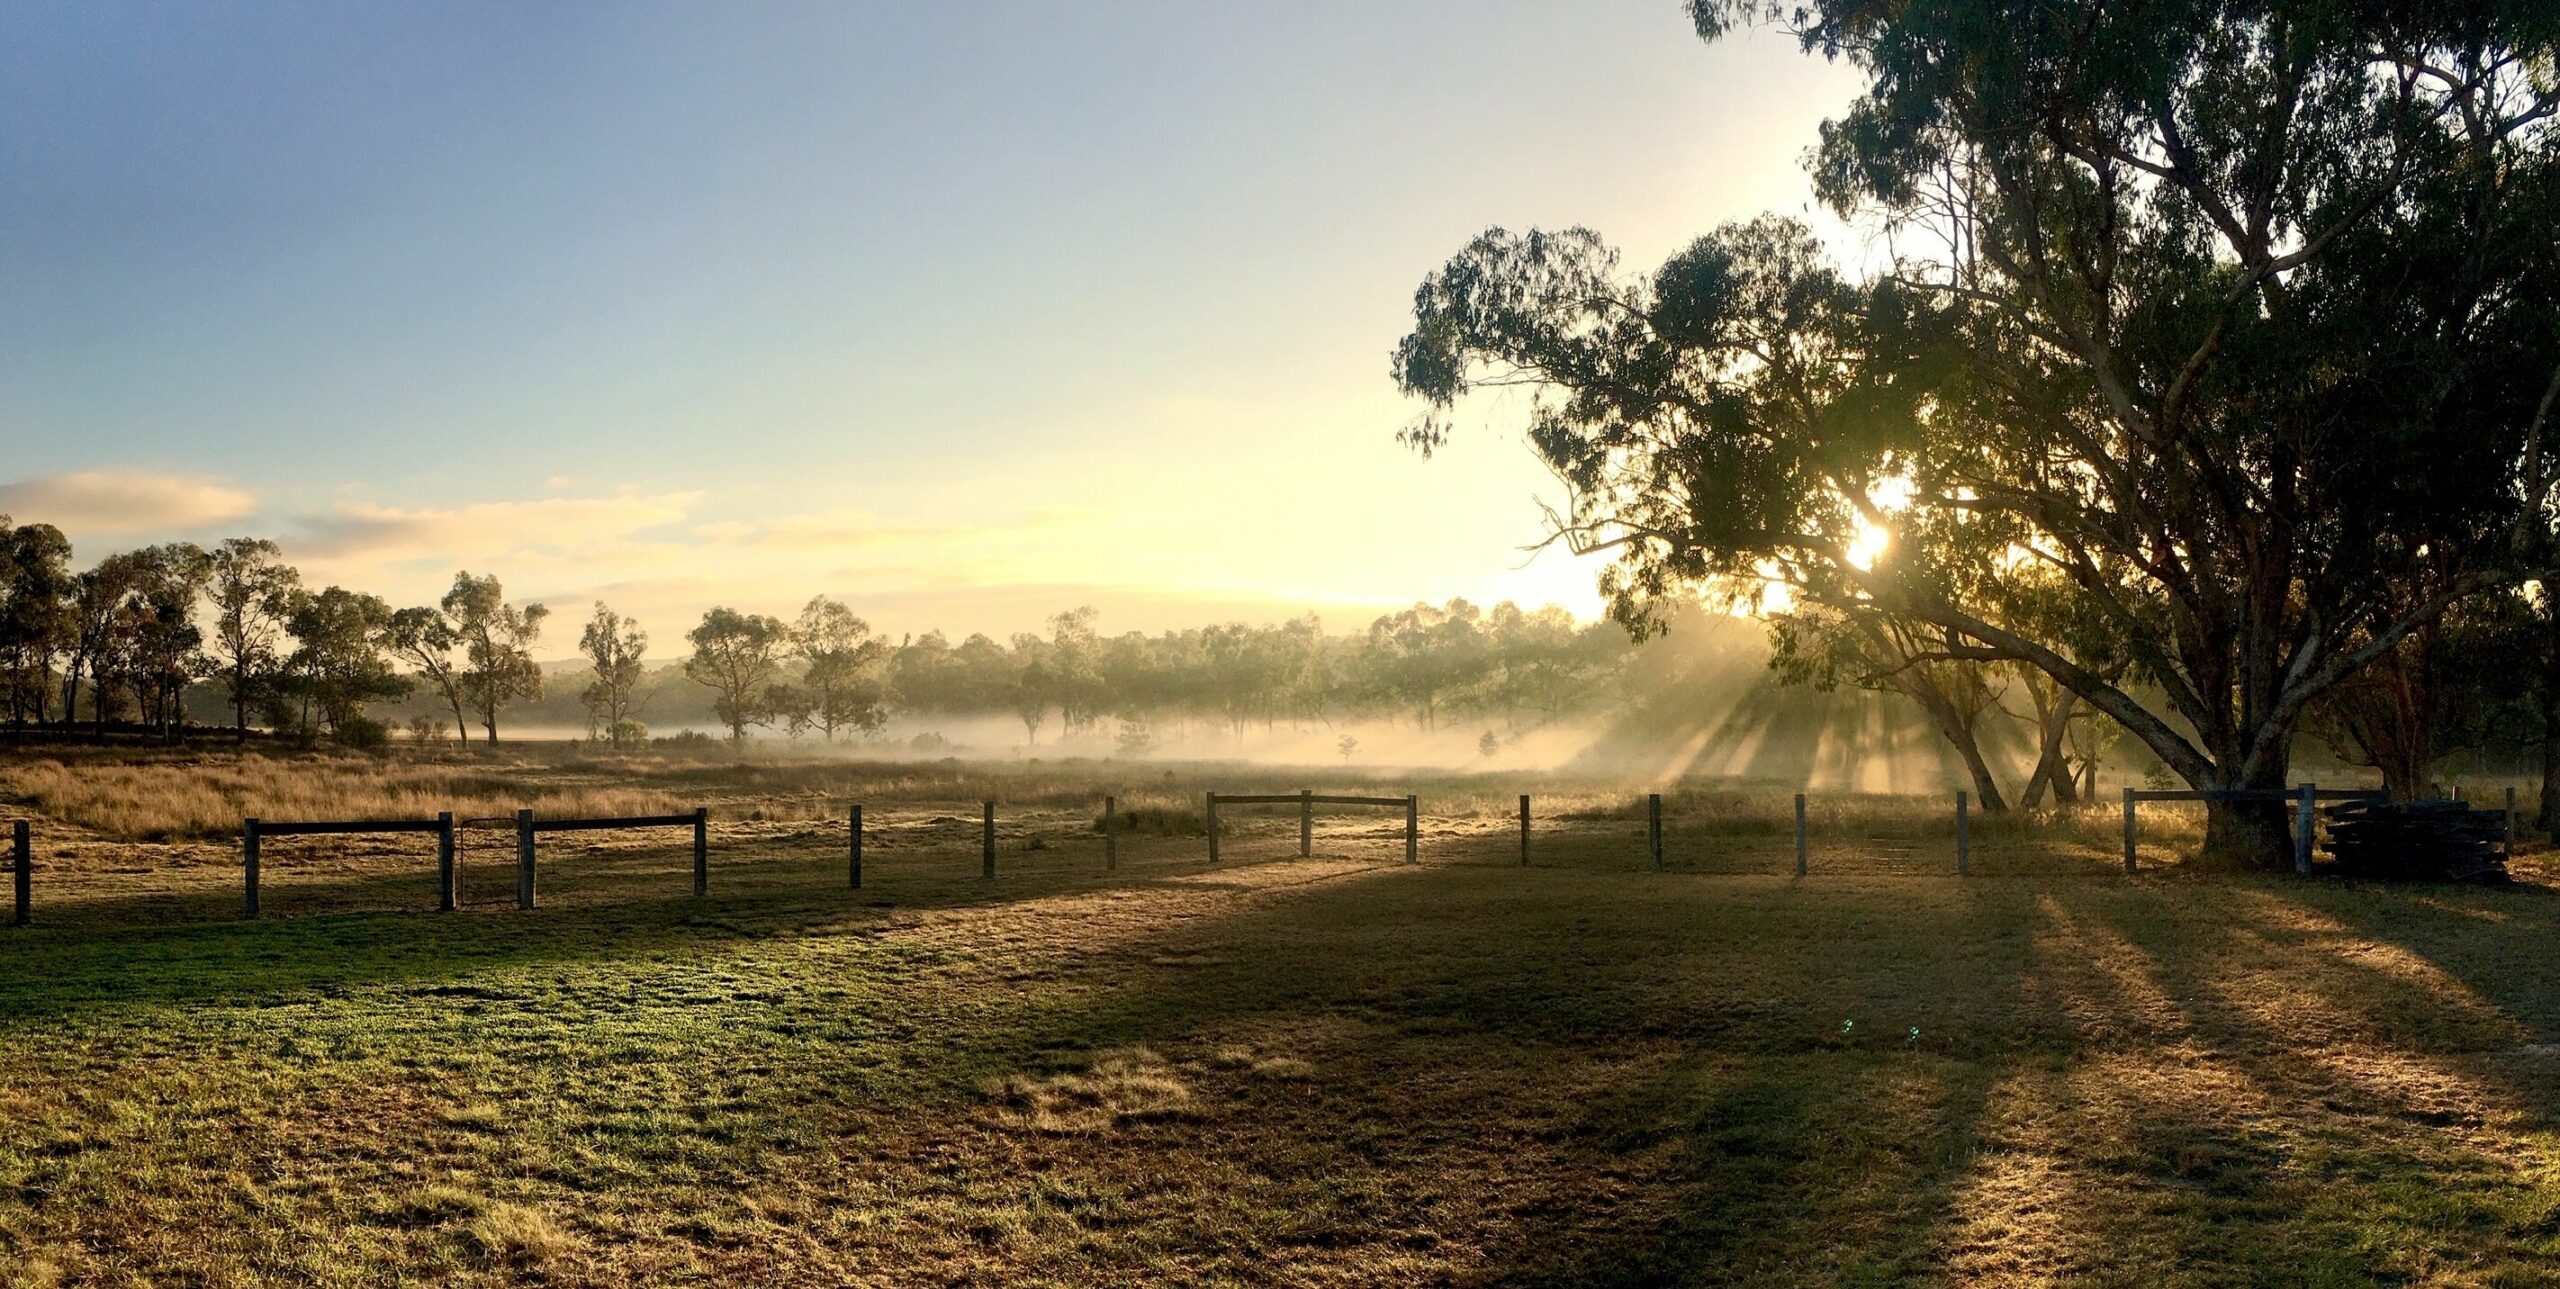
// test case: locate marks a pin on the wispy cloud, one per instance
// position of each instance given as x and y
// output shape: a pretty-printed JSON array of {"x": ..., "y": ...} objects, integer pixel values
[
  {"x": 483, "y": 529},
  {"x": 123, "y": 503}
]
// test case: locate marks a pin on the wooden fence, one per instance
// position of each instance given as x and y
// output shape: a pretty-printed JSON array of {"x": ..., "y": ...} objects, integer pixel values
[
  {"x": 2306, "y": 822},
  {"x": 528, "y": 826},
  {"x": 254, "y": 833},
  {"x": 1306, "y": 801}
]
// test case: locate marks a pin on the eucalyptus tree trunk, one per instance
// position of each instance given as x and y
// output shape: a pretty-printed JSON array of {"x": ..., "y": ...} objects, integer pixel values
[
  {"x": 2548, "y": 817},
  {"x": 1958, "y": 730}
]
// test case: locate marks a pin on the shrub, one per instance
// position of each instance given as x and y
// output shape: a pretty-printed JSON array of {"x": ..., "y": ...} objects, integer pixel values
[{"x": 364, "y": 734}]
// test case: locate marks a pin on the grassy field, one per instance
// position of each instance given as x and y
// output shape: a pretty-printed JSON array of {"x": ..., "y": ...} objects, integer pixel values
[{"x": 1339, "y": 1070}]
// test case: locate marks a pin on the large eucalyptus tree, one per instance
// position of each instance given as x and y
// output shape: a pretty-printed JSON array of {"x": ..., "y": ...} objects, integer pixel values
[{"x": 2236, "y": 317}]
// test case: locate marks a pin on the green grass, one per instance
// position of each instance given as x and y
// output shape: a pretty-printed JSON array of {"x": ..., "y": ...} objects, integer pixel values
[{"x": 1338, "y": 1070}]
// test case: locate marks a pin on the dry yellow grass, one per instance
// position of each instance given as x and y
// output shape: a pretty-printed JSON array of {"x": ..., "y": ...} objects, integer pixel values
[
  {"x": 1116, "y": 1088},
  {"x": 516, "y": 1237},
  {"x": 174, "y": 798}
]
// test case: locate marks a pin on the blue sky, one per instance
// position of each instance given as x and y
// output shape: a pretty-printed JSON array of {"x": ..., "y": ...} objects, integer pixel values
[{"x": 962, "y": 312}]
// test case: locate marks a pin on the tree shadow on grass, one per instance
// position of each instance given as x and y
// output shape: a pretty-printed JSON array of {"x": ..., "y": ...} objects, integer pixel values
[
  {"x": 2368, "y": 1133},
  {"x": 1719, "y": 1124}
]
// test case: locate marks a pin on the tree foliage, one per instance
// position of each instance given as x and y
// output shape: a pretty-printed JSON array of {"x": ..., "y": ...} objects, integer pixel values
[
  {"x": 252, "y": 589},
  {"x": 497, "y": 646},
  {"x": 739, "y": 656},
  {"x": 615, "y": 648},
  {"x": 841, "y": 681},
  {"x": 2233, "y": 320}
]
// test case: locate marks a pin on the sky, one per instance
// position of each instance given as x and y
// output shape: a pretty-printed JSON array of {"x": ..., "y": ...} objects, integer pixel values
[{"x": 962, "y": 313}]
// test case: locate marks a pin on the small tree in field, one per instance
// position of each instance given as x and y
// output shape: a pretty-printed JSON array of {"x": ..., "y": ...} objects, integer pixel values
[
  {"x": 1348, "y": 747},
  {"x": 252, "y": 590},
  {"x": 614, "y": 645},
  {"x": 342, "y": 662},
  {"x": 1489, "y": 746},
  {"x": 424, "y": 638},
  {"x": 842, "y": 689},
  {"x": 1137, "y": 738},
  {"x": 35, "y": 615},
  {"x": 497, "y": 645},
  {"x": 737, "y": 655}
]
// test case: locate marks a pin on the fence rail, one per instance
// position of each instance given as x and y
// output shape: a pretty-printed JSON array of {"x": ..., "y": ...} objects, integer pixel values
[
  {"x": 1296, "y": 798},
  {"x": 1306, "y": 801},
  {"x": 599, "y": 825},
  {"x": 528, "y": 826},
  {"x": 254, "y": 831},
  {"x": 341, "y": 827}
]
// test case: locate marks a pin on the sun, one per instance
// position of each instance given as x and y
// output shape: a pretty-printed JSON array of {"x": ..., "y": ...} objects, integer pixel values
[{"x": 1869, "y": 543}]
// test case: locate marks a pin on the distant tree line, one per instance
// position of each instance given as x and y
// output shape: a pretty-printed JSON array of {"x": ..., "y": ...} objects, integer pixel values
[
  {"x": 120, "y": 644},
  {"x": 829, "y": 672}
]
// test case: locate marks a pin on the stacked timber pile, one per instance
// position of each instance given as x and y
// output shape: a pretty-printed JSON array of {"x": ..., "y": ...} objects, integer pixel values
[{"x": 2440, "y": 841}]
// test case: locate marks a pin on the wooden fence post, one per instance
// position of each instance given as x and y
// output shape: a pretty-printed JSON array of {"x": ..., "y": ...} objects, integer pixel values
[
  {"x": 1213, "y": 827},
  {"x": 249, "y": 861},
  {"x": 987, "y": 843},
  {"x": 2128, "y": 829},
  {"x": 2305, "y": 824},
  {"x": 1306, "y": 822},
  {"x": 1111, "y": 834},
  {"x": 701, "y": 850},
  {"x": 1412, "y": 829},
  {"x": 1653, "y": 828},
  {"x": 22, "y": 866},
  {"x": 1799, "y": 834},
  {"x": 853, "y": 870},
  {"x": 1524, "y": 830},
  {"x": 1964, "y": 835},
  {"x": 524, "y": 859},
  {"x": 444, "y": 862},
  {"x": 2507, "y": 826}
]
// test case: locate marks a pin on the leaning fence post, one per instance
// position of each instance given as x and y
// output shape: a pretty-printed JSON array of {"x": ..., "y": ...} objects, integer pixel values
[
  {"x": 1964, "y": 835},
  {"x": 2304, "y": 824},
  {"x": 1653, "y": 828},
  {"x": 987, "y": 842},
  {"x": 1799, "y": 834},
  {"x": 22, "y": 866},
  {"x": 2128, "y": 829},
  {"x": 1213, "y": 827},
  {"x": 1306, "y": 822},
  {"x": 1111, "y": 834},
  {"x": 1524, "y": 830},
  {"x": 1412, "y": 829},
  {"x": 853, "y": 870},
  {"x": 524, "y": 859},
  {"x": 249, "y": 861},
  {"x": 702, "y": 850},
  {"x": 444, "y": 861}
]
